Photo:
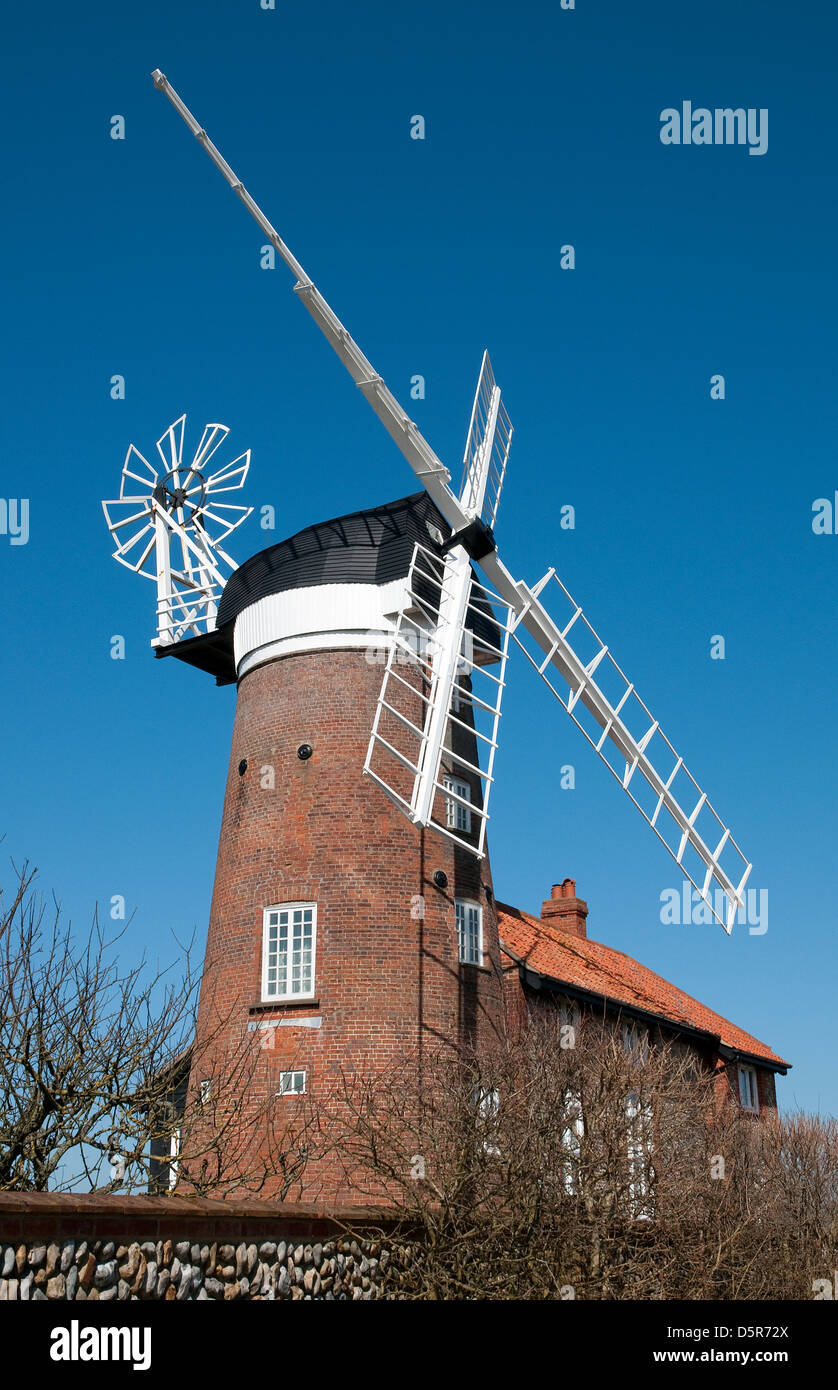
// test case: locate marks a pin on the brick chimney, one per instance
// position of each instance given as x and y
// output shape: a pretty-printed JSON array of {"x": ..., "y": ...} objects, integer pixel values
[{"x": 564, "y": 910}]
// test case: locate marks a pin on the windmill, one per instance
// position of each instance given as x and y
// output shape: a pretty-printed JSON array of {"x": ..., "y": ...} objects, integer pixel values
[
  {"x": 167, "y": 524},
  {"x": 437, "y": 634}
]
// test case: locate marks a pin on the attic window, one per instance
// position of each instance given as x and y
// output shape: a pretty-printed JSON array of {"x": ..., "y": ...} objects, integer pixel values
[{"x": 748, "y": 1092}]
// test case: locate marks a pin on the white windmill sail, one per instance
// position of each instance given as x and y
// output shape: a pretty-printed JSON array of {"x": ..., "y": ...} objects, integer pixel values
[
  {"x": 487, "y": 449},
  {"x": 435, "y": 733},
  {"x": 474, "y": 533},
  {"x": 584, "y": 677},
  {"x": 455, "y": 639},
  {"x": 167, "y": 525}
]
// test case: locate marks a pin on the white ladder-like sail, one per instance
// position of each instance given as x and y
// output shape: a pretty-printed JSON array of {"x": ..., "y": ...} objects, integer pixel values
[
  {"x": 435, "y": 733},
  {"x": 442, "y": 633},
  {"x": 530, "y": 614},
  {"x": 586, "y": 680},
  {"x": 487, "y": 449}
]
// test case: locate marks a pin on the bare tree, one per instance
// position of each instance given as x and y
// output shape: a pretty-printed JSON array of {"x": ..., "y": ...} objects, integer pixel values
[
  {"x": 101, "y": 1085},
  {"x": 575, "y": 1167}
]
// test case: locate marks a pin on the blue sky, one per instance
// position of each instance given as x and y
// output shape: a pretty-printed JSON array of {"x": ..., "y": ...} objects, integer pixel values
[{"x": 693, "y": 516}]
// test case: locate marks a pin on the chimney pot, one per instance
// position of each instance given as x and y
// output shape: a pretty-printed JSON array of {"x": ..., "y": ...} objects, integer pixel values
[{"x": 564, "y": 910}]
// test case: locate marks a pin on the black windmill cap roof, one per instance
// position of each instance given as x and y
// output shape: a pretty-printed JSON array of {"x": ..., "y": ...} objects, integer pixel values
[{"x": 373, "y": 546}]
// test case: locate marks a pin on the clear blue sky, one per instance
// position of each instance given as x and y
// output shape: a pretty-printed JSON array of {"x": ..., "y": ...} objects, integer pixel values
[{"x": 693, "y": 516}]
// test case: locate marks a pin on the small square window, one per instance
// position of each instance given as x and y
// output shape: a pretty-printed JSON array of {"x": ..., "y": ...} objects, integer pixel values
[
  {"x": 748, "y": 1090},
  {"x": 292, "y": 1083},
  {"x": 457, "y": 816},
  {"x": 469, "y": 931}
]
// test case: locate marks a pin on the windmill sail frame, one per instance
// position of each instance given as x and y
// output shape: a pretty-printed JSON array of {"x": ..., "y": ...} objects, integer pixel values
[{"x": 440, "y": 701}]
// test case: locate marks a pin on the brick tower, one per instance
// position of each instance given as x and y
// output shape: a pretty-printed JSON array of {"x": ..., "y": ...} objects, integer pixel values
[{"x": 344, "y": 933}]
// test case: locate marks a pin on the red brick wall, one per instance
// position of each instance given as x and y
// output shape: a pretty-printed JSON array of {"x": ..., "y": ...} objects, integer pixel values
[
  {"x": 387, "y": 983},
  {"x": 728, "y": 1085}
]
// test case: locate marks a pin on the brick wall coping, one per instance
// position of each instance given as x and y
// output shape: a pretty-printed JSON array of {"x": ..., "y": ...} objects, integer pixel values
[{"x": 29, "y": 1215}]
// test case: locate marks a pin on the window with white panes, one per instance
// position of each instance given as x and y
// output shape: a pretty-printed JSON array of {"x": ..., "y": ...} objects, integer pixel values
[
  {"x": 289, "y": 939},
  {"x": 469, "y": 931},
  {"x": 748, "y": 1093},
  {"x": 457, "y": 816},
  {"x": 292, "y": 1083}
]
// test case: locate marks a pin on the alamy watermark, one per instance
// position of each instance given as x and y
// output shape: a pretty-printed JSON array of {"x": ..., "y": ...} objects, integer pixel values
[
  {"x": 685, "y": 906},
  {"x": 14, "y": 519},
  {"x": 79, "y": 1343},
  {"x": 414, "y": 646},
  {"x": 724, "y": 125}
]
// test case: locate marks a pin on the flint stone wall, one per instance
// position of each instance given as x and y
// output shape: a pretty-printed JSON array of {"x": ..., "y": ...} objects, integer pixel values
[{"x": 101, "y": 1247}]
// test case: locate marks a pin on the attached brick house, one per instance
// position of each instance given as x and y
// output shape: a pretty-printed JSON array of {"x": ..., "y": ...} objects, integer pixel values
[{"x": 550, "y": 957}]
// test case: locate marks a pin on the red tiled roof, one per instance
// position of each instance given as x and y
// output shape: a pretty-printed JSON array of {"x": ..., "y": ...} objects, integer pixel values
[{"x": 601, "y": 970}]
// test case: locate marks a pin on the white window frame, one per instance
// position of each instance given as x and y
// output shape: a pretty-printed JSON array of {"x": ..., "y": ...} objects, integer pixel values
[
  {"x": 462, "y": 906},
  {"x": 174, "y": 1156},
  {"x": 457, "y": 816},
  {"x": 287, "y": 1086},
  {"x": 748, "y": 1088},
  {"x": 290, "y": 995}
]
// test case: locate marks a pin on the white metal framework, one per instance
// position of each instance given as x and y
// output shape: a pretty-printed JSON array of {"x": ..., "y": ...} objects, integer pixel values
[
  {"x": 168, "y": 525},
  {"x": 459, "y": 719},
  {"x": 587, "y": 694},
  {"x": 600, "y": 699},
  {"x": 423, "y": 740},
  {"x": 487, "y": 448}
]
